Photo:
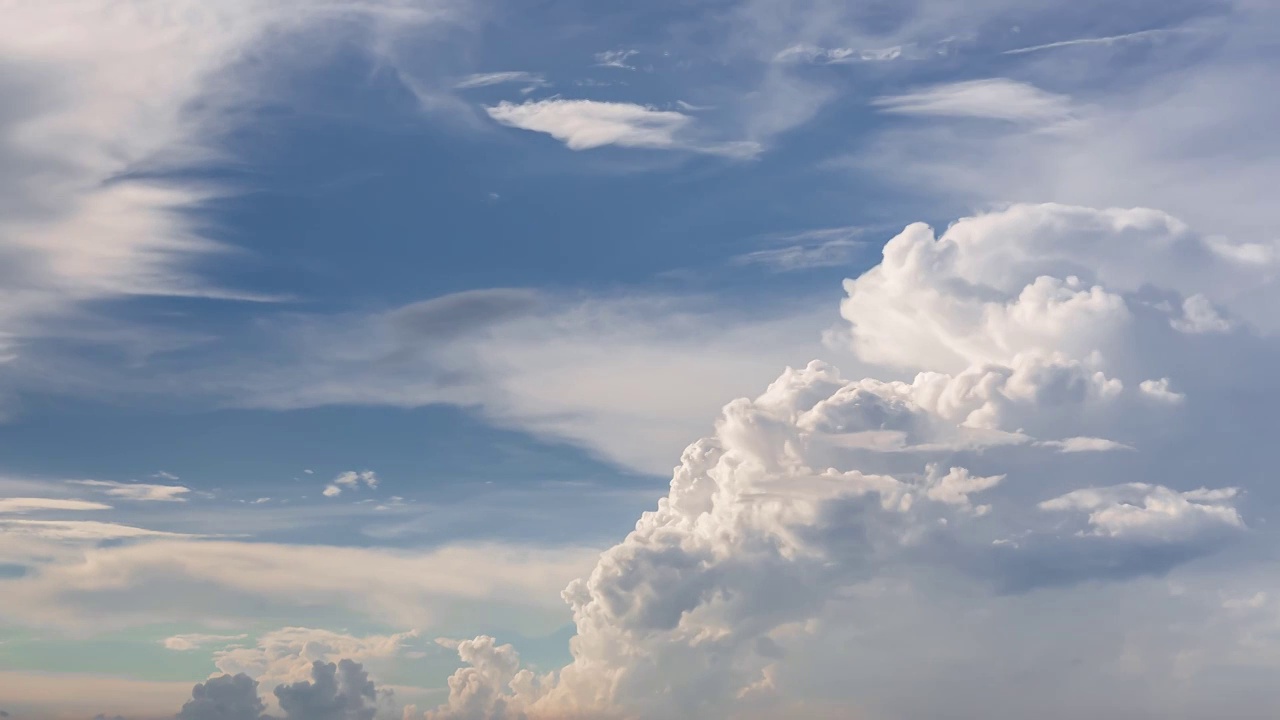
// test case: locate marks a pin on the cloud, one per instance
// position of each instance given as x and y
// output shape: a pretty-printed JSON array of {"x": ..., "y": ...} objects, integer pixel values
[
  {"x": 478, "y": 80},
  {"x": 351, "y": 480},
  {"x": 1135, "y": 138},
  {"x": 80, "y": 530},
  {"x": 335, "y": 691},
  {"x": 340, "y": 691},
  {"x": 1151, "y": 511},
  {"x": 195, "y": 641},
  {"x": 830, "y": 247},
  {"x": 616, "y": 59},
  {"x": 588, "y": 124},
  {"x": 26, "y": 505},
  {"x": 220, "y": 582},
  {"x": 836, "y": 55},
  {"x": 107, "y": 107},
  {"x": 630, "y": 377},
  {"x": 227, "y": 697},
  {"x": 1085, "y": 444},
  {"x": 137, "y": 491},
  {"x": 996, "y": 99},
  {"x": 1013, "y": 327},
  {"x": 1106, "y": 40},
  {"x": 1159, "y": 390},
  {"x": 288, "y": 655}
]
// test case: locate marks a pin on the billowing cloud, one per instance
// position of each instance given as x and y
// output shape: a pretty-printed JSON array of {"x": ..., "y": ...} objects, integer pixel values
[
  {"x": 226, "y": 697},
  {"x": 1012, "y": 448},
  {"x": 334, "y": 691},
  {"x": 340, "y": 691}
]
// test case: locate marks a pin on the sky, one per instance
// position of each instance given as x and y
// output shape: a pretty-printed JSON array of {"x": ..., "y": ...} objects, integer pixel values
[{"x": 721, "y": 360}]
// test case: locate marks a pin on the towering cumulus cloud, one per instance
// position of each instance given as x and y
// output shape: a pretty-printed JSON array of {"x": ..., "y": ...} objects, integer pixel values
[{"x": 1062, "y": 414}]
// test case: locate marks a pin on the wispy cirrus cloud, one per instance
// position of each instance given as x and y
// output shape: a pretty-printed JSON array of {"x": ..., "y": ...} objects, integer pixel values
[
  {"x": 144, "y": 492},
  {"x": 1105, "y": 40},
  {"x": 829, "y": 247},
  {"x": 478, "y": 80},
  {"x": 995, "y": 98},
  {"x": 20, "y": 505},
  {"x": 195, "y": 641},
  {"x": 616, "y": 59}
]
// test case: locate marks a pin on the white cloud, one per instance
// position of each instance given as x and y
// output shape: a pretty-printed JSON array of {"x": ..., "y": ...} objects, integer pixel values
[
  {"x": 1105, "y": 40},
  {"x": 287, "y": 655},
  {"x": 498, "y": 78},
  {"x": 1032, "y": 322},
  {"x": 26, "y": 505},
  {"x": 1151, "y": 510},
  {"x": 830, "y": 247},
  {"x": 995, "y": 98},
  {"x": 836, "y": 55},
  {"x": 616, "y": 59},
  {"x": 587, "y": 124},
  {"x": 631, "y": 378},
  {"x": 351, "y": 480},
  {"x": 1085, "y": 444},
  {"x": 195, "y": 641},
  {"x": 1147, "y": 137},
  {"x": 1199, "y": 316},
  {"x": 137, "y": 491},
  {"x": 80, "y": 530},
  {"x": 103, "y": 99},
  {"x": 1159, "y": 390},
  {"x": 227, "y": 583}
]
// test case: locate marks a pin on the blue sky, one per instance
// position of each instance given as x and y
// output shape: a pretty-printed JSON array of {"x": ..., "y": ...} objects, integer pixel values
[{"x": 361, "y": 330}]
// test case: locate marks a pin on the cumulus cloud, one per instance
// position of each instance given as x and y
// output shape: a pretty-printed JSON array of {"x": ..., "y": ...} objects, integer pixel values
[
  {"x": 334, "y": 691},
  {"x": 227, "y": 697},
  {"x": 1151, "y": 510},
  {"x": 1015, "y": 343},
  {"x": 351, "y": 480},
  {"x": 340, "y": 691}
]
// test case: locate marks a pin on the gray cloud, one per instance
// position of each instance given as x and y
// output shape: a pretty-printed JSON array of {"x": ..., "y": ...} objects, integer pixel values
[
  {"x": 339, "y": 691},
  {"x": 226, "y": 697}
]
